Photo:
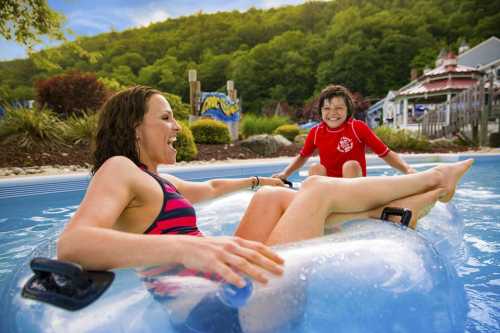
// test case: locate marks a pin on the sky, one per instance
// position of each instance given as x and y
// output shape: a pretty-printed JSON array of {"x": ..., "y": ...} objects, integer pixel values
[{"x": 92, "y": 17}]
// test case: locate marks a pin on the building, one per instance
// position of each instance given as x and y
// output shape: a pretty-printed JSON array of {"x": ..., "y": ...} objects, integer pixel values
[
  {"x": 436, "y": 86},
  {"x": 485, "y": 57}
]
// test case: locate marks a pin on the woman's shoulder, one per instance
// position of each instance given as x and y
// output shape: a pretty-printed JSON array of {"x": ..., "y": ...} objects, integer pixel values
[{"x": 117, "y": 166}]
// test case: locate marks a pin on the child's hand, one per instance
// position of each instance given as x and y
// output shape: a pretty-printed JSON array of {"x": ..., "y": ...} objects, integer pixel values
[
  {"x": 409, "y": 170},
  {"x": 280, "y": 175}
]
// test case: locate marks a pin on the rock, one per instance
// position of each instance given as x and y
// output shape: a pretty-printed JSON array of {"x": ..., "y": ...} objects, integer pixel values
[
  {"x": 17, "y": 171},
  {"x": 265, "y": 144},
  {"x": 300, "y": 139}
]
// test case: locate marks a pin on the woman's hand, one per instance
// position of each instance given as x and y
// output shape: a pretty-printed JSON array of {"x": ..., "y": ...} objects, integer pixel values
[{"x": 227, "y": 256}]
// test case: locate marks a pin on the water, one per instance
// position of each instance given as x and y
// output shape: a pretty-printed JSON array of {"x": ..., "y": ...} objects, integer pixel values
[{"x": 27, "y": 222}]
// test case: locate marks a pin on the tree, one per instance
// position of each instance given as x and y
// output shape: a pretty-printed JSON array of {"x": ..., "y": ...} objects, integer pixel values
[{"x": 26, "y": 20}]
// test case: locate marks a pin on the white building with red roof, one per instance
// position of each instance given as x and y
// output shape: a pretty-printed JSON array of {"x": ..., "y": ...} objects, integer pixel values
[{"x": 434, "y": 87}]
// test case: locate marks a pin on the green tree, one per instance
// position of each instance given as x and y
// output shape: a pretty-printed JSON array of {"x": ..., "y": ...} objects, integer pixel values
[{"x": 25, "y": 21}]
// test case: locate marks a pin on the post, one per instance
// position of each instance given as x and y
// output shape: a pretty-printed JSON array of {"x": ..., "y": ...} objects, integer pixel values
[
  {"x": 233, "y": 125},
  {"x": 192, "y": 91},
  {"x": 483, "y": 139}
]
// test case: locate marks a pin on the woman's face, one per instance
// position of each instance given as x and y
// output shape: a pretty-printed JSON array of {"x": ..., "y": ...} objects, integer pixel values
[
  {"x": 157, "y": 133},
  {"x": 334, "y": 111}
]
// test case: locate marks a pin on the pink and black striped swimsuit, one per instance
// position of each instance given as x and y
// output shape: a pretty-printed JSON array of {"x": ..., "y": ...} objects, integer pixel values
[{"x": 177, "y": 215}]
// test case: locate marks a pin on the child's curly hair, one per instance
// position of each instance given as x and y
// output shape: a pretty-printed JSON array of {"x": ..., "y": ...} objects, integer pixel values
[{"x": 337, "y": 91}]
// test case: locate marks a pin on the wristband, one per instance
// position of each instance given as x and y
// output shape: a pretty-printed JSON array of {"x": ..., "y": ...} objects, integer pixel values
[{"x": 255, "y": 183}]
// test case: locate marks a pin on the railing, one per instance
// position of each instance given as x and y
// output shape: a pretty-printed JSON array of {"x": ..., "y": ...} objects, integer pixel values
[{"x": 469, "y": 113}]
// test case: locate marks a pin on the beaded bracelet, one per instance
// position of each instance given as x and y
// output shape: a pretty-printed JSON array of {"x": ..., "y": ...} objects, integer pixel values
[{"x": 255, "y": 183}]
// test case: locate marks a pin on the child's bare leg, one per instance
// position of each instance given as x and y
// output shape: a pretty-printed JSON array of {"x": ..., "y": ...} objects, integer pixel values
[
  {"x": 317, "y": 169},
  {"x": 320, "y": 196},
  {"x": 352, "y": 169},
  {"x": 418, "y": 204}
]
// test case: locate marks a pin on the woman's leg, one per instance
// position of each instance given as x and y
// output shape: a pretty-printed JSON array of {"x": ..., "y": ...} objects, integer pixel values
[
  {"x": 263, "y": 212},
  {"x": 320, "y": 196}
]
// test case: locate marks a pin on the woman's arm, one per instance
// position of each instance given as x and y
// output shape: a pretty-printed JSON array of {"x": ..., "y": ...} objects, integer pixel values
[
  {"x": 200, "y": 191},
  {"x": 90, "y": 240}
]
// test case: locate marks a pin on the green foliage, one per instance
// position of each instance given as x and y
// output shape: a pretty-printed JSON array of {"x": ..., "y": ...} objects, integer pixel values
[
  {"x": 495, "y": 139},
  {"x": 30, "y": 127},
  {"x": 80, "y": 129},
  {"x": 70, "y": 93},
  {"x": 210, "y": 131},
  {"x": 186, "y": 148},
  {"x": 402, "y": 139},
  {"x": 252, "y": 125},
  {"x": 181, "y": 110},
  {"x": 289, "y": 131},
  {"x": 286, "y": 53},
  {"x": 25, "y": 21}
]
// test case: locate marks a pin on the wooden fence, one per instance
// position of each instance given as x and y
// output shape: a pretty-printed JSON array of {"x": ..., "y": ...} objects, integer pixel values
[{"x": 469, "y": 113}]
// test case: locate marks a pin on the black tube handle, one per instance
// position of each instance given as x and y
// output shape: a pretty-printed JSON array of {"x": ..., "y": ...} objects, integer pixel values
[
  {"x": 74, "y": 272},
  {"x": 403, "y": 212},
  {"x": 65, "y": 284},
  {"x": 287, "y": 182}
]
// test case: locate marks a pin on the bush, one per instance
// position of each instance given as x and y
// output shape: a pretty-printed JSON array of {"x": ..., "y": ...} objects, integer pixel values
[
  {"x": 289, "y": 131},
  {"x": 210, "y": 131},
  {"x": 71, "y": 93},
  {"x": 186, "y": 148},
  {"x": 495, "y": 139},
  {"x": 181, "y": 110},
  {"x": 30, "y": 127},
  {"x": 252, "y": 125},
  {"x": 402, "y": 139},
  {"x": 80, "y": 129}
]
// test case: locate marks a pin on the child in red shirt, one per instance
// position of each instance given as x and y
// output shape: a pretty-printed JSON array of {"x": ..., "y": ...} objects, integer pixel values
[{"x": 341, "y": 141}]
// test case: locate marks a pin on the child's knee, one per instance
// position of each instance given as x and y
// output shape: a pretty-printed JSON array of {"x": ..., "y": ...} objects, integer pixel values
[
  {"x": 317, "y": 169},
  {"x": 352, "y": 169}
]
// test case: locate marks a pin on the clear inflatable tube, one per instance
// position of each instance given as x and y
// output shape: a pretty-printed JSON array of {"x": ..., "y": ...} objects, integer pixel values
[{"x": 372, "y": 276}]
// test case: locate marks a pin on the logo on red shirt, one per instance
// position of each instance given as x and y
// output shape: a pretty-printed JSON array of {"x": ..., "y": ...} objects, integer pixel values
[{"x": 345, "y": 145}]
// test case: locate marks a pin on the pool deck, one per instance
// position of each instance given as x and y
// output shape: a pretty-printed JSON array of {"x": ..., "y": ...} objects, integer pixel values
[
  {"x": 263, "y": 164},
  {"x": 20, "y": 186}
]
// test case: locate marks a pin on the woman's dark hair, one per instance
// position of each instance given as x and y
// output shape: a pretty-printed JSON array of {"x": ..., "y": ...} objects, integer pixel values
[
  {"x": 337, "y": 91},
  {"x": 118, "y": 119}
]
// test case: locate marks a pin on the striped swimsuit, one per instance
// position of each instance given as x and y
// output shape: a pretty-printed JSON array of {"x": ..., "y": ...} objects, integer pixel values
[{"x": 177, "y": 215}]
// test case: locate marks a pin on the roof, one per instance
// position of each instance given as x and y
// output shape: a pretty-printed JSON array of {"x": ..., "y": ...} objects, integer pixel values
[
  {"x": 376, "y": 106},
  {"x": 438, "y": 86},
  {"x": 481, "y": 54},
  {"x": 443, "y": 69}
]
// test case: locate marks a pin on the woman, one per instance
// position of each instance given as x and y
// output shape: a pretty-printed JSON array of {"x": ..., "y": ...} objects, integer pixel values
[{"x": 131, "y": 217}]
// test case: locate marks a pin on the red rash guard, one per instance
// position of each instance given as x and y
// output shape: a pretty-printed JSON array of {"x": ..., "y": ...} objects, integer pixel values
[{"x": 339, "y": 145}]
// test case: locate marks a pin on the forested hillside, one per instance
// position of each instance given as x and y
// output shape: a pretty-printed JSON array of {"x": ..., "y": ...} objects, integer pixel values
[{"x": 287, "y": 53}]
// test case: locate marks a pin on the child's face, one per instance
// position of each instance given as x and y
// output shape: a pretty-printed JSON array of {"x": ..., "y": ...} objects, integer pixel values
[{"x": 334, "y": 112}]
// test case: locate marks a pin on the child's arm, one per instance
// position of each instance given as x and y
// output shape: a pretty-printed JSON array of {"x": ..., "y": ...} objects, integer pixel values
[
  {"x": 296, "y": 164},
  {"x": 395, "y": 161}
]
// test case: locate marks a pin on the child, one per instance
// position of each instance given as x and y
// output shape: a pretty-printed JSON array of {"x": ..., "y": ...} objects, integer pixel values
[{"x": 341, "y": 141}]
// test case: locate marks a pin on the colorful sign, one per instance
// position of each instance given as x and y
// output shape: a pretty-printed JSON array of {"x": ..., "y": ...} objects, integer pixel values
[{"x": 219, "y": 106}]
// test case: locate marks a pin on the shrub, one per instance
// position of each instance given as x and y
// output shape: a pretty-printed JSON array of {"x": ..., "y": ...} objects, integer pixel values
[
  {"x": 252, "y": 125},
  {"x": 495, "y": 139},
  {"x": 402, "y": 139},
  {"x": 70, "y": 93},
  {"x": 181, "y": 110},
  {"x": 30, "y": 127},
  {"x": 210, "y": 131},
  {"x": 289, "y": 131},
  {"x": 186, "y": 148},
  {"x": 80, "y": 129}
]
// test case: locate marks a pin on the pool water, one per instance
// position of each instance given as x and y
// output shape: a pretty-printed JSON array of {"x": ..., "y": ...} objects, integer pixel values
[{"x": 26, "y": 222}]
